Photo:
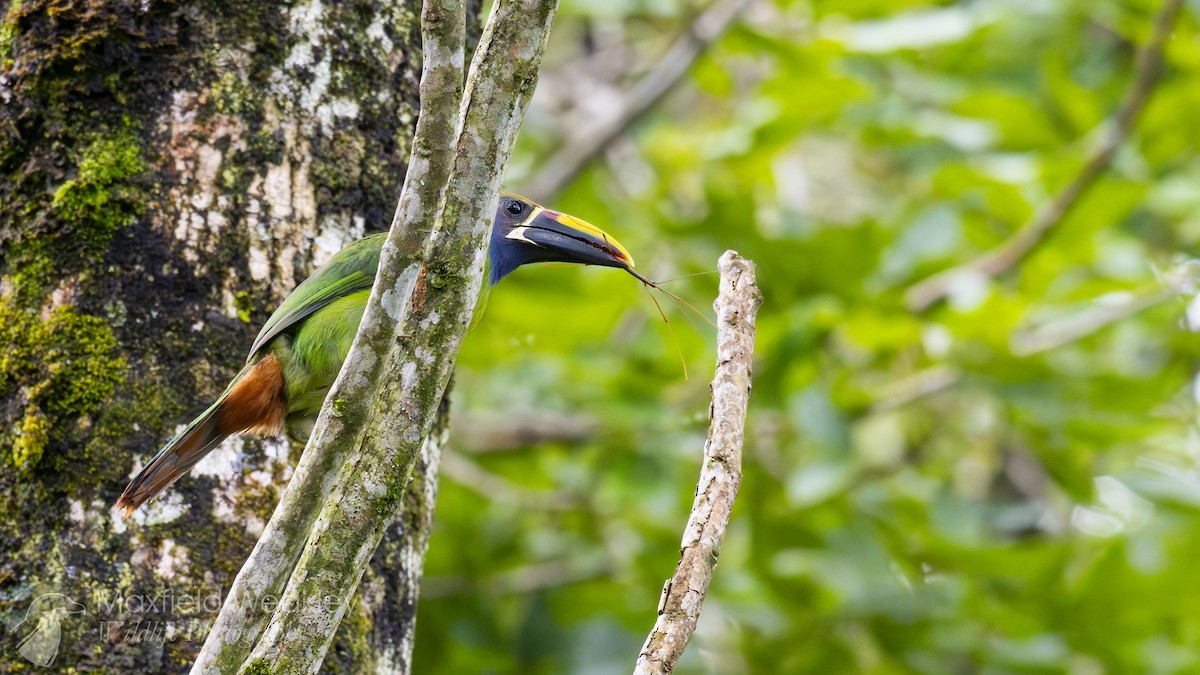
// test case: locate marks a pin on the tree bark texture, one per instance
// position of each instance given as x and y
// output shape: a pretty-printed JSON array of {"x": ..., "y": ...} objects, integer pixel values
[
  {"x": 169, "y": 171},
  {"x": 342, "y": 425},
  {"x": 427, "y": 305},
  {"x": 683, "y": 595}
]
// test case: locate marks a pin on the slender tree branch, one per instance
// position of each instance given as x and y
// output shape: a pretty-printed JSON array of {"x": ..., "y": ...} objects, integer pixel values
[
  {"x": 340, "y": 427},
  {"x": 433, "y": 305},
  {"x": 481, "y": 433},
  {"x": 1042, "y": 338},
  {"x": 915, "y": 387},
  {"x": 550, "y": 574},
  {"x": 584, "y": 144},
  {"x": 474, "y": 477},
  {"x": 935, "y": 289},
  {"x": 683, "y": 595},
  {"x": 1181, "y": 281},
  {"x": 1062, "y": 331},
  {"x": 405, "y": 559}
]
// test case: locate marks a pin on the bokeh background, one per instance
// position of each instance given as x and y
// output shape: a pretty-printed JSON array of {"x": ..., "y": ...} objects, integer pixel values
[{"x": 1004, "y": 483}]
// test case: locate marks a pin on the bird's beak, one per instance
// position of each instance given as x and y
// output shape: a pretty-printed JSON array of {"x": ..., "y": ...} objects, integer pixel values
[{"x": 571, "y": 240}]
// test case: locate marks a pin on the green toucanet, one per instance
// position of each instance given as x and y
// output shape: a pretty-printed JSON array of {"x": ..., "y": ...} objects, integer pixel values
[{"x": 299, "y": 351}]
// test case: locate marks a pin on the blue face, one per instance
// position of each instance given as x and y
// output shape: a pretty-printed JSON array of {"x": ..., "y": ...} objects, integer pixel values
[
  {"x": 524, "y": 232},
  {"x": 508, "y": 254}
]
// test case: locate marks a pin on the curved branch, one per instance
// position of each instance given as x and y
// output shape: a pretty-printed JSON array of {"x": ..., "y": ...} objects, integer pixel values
[
  {"x": 401, "y": 555},
  {"x": 481, "y": 433},
  {"x": 935, "y": 289},
  {"x": 564, "y": 165},
  {"x": 250, "y": 601},
  {"x": 683, "y": 595},
  {"x": 425, "y": 321},
  {"x": 1065, "y": 330}
]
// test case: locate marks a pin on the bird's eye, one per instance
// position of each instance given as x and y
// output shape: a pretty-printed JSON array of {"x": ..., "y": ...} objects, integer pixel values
[{"x": 514, "y": 207}]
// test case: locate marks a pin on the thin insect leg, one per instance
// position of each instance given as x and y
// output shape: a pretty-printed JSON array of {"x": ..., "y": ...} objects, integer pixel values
[
  {"x": 671, "y": 332},
  {"x": 683, "y": 311},
  {"x": 680, "y": 301},
  {"x": 688, "y": 276},
  {"x": 655, "y": 285}
]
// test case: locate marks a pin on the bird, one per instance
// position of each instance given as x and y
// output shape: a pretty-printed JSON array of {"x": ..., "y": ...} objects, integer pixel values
[{"x": 300, "y": 349}]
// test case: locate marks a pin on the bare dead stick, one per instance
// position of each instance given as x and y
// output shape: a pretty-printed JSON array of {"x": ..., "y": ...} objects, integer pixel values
[{"x": 683, "y": 595}]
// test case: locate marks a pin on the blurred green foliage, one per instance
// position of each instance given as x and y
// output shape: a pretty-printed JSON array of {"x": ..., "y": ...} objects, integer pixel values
[{"x": 921, "y": 494}]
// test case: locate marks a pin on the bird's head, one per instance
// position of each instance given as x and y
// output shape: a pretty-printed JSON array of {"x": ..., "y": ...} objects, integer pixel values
[{"x": 525, "y": 232}]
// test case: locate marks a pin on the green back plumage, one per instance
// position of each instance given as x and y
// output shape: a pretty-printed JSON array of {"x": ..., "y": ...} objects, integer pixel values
[
  {"x": 350, "y": 271},
  {"x": 299, "y": 352},
  {"x": 319, "y": 320}
]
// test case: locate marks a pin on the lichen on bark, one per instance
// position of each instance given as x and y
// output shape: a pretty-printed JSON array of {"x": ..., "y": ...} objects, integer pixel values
[
  {"x": 54, "y": 372},
  {"x": 133, "y": 134},
  {"x": 420, "y": 348}
]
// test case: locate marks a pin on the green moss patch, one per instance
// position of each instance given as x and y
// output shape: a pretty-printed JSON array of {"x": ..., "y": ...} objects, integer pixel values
[
  {"x": 103, "y": 196},
  {"x": 52, "y": 371}
]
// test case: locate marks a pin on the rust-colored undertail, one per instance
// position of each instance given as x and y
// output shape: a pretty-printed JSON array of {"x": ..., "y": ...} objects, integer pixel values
[{"x": 254, "y": 402}]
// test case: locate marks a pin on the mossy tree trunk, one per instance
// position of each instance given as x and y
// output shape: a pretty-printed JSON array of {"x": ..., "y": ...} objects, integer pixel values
[{"x": 168, "y": 172}]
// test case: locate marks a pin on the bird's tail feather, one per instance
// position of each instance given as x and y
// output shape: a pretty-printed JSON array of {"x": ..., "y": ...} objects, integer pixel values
[
  {"x": 176, "y": 457},
  {"x": 254, "y": 401}
]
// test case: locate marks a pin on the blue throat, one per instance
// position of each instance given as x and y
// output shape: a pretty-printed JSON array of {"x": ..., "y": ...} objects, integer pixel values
[{"x": 505, "y": 256}]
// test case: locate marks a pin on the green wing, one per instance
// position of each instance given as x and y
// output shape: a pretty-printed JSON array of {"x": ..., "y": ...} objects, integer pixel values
[{"x": 350, "y": 271}]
